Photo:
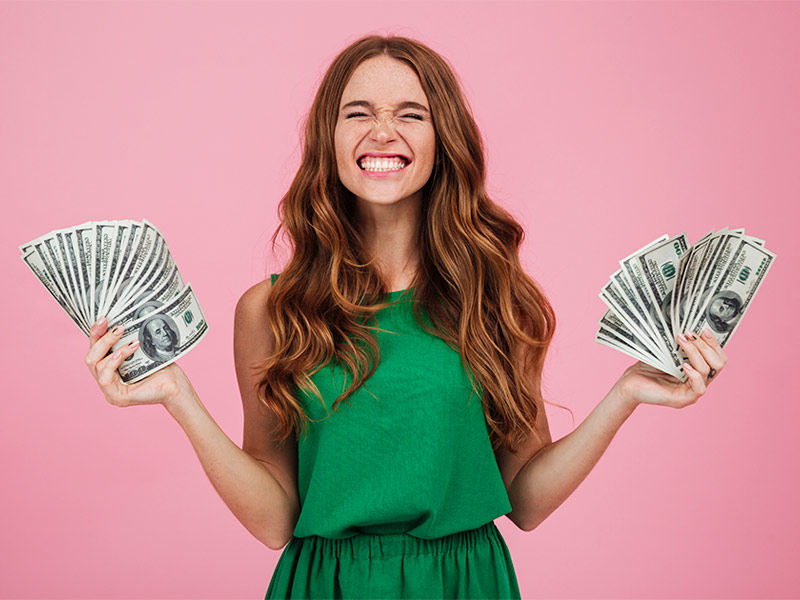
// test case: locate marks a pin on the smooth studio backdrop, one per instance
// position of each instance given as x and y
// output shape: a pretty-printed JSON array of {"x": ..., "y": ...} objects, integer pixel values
[{"x": 606, "y": 124}]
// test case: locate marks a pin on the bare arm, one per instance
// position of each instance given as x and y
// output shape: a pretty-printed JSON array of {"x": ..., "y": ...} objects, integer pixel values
[
  {"x": 264, "y": 503},
  {"x": 557, "y": 469},
  {"x": 553, "y": 470}
]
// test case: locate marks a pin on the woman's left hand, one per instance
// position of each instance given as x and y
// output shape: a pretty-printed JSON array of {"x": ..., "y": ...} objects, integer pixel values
[{"x": 643, "y": 384}]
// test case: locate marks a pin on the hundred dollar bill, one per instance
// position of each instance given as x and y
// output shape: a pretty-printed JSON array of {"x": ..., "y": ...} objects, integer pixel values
[
  {"x": 717, "y": 252},
  {"x": 710, "y": 272},
  {"x": 123, "y": 254},
  {"x": 40, "y": 258},
  {"x": 164, "y": 335},
  {"x": 71, "y": 271},
  {"x": 659, "y": 266},
  {"x": 145, "y": 272},
  {"x": 633, "y": 269},
  {"x": 84, "y": 235},
  {"x": 34, "y": 261},
  {"x": 149, "y": 239},
  {"x": 620, "y": 298},
  {"x": 612, "y": 340},
  {"x": 72, "y": 245},
  {"x": 669, "y": 287},
  {"x": 153, "y": 297},
  {"x": 734, "y": 291},
  {"x": 105, "y": 236},
  {"x": 686, "y": 269},
  {"x": 614, "y": 331},
  {"x": 122, "y": 270}
]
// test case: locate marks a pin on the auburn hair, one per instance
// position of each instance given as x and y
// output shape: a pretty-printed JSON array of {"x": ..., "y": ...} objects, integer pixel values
[{"x": 469, "y": 282}]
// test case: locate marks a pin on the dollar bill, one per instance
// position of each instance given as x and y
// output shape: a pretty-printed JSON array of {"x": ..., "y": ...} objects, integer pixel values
[
  {"x": 122, "y": 270},
  {"x": 731, "y": 296},
  {"x": 669, "y": 287},
  {"x": 632, "y": 267},
  {"x": 165, "y": 334},
  {"x": 659, "y": 266}
]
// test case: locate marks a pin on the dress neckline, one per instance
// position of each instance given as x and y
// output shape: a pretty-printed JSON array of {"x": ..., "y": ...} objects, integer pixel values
[{"x": 397, "y": 293}]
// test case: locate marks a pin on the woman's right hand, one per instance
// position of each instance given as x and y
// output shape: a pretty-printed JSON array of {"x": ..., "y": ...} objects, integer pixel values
[{"x": 168, "y": 386}]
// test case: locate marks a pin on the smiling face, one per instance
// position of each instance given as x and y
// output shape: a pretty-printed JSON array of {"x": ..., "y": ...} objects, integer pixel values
[{"x": 384, "y": 112}]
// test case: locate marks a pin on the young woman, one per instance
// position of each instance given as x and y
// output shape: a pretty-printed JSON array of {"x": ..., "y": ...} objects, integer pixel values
[{"x": 391, "y": 374}]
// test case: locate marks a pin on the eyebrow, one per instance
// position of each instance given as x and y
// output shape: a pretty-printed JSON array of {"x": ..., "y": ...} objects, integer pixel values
[{"x": 406, "y": 104}]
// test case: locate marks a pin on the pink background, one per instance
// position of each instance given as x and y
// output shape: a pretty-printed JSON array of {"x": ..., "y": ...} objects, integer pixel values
[{"x": 607, "y": 124}]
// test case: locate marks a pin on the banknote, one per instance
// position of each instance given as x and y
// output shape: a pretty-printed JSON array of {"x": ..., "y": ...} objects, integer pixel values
[
  {"x": 165, "y": 334},
  {"x": 122, "y": 270},
  {"x": 669, "y": 287}
]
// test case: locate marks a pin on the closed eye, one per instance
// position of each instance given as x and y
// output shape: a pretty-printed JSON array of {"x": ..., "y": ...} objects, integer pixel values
[{"x": 408, "y": 116}]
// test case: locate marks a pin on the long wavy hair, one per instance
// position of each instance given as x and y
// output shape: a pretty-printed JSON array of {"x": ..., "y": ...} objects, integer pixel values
[{"x": 469, "y": 282}]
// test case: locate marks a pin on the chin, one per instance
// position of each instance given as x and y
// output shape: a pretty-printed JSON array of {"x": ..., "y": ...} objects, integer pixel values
[{"x": 384, "y": 200}]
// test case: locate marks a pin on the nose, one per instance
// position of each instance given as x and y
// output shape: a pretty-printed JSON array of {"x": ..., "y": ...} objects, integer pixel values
[{"x": 383, "y": 128}]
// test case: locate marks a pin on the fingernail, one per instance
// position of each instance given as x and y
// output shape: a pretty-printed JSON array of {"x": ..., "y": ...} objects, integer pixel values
[
  {"x": 133, "y": 343},
  {"x": 707, "y": 334},
  {"x": 117, "y": 330},
  {"x": 100, "y": 321},
  {"x": 691, "y": 335},
  {"x": 687, "y": 366},
  {"x": 682, "y": 338}
]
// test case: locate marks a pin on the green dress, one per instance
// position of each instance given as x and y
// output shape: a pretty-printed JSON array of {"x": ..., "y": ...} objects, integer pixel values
[{"x": 399, "y": 488}]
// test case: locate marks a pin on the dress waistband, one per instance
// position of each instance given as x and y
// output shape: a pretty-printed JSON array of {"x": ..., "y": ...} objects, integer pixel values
[{"x": 368, "y": 546}]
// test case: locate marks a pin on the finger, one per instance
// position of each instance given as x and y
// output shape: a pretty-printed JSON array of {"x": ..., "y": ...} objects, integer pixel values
[
  {"x": 696, "y": 380},
  {"x": 710, "y": 355},
  {"x": 97, "y": 330},
  {"x": 711, "y": 340},
  {"x": 107, "y": 375},
  {"x": 697, "y": 360},
  {"x": 101, "y": 347}
]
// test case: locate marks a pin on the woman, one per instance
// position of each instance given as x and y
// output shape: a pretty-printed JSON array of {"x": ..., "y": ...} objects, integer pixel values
[{"x": 400, "y": 260}]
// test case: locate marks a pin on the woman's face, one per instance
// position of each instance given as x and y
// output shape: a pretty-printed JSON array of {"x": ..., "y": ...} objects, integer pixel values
[{"x": 384, "y": 112}]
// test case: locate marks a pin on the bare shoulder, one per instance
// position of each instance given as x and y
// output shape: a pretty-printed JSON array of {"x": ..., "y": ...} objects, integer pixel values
[
  {"x": 252, "y": 334},
  {"x": 252, "y": 303},
  {"x": 252, "y": 343}
]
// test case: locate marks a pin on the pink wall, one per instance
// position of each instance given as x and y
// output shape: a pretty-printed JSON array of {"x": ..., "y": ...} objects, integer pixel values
[{"x": 607, "y": 124}]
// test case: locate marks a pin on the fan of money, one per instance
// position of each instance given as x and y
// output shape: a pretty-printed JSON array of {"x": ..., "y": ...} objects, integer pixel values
[
  {"x": 669, "y": 287},
  {"x": 122, "y": 270}
]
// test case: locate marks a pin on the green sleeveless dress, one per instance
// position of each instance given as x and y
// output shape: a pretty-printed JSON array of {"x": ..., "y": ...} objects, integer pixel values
[{"x": 399, "y": 487}]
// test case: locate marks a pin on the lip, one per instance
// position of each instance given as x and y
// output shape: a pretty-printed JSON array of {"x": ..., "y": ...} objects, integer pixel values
[
  {"x": 382, "y": 174},
  {"x": 384, "y": 155}
]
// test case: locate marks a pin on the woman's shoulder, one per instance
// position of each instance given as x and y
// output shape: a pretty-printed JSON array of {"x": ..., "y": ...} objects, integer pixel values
[
  {"x": 250, "y": 311},
  {"x": 255, "y": 297}
]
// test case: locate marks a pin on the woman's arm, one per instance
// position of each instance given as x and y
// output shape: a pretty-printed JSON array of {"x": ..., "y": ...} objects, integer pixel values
[
  {"x": 262, "y": 496},
  {"x": 555, "y": 469}
]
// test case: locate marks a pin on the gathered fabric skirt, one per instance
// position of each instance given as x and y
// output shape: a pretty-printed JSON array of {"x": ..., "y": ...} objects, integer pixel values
[{"x": 468, "y": 564}]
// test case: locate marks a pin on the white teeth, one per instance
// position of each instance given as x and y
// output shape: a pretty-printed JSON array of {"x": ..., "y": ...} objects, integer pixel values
[{"x": 382, "y": 164}]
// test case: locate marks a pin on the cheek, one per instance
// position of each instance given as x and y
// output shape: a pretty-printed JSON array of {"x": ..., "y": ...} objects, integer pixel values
[
  {"x": 429, "y": 143},
  {"x": 430, "y": 153},
  {"x": 339, "y": 146},
  {"x": 345, "y": 139}
]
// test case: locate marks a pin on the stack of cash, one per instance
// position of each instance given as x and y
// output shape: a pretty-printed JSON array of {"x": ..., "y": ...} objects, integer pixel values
[
  {"x": 122, "y": 270},
  {"x": 669, "y": 287}
]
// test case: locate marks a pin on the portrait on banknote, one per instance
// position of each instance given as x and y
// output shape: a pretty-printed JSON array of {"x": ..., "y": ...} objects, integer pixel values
[
  {"x": 159, "y": 338},
  {"x": 724, "y": 311}
]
